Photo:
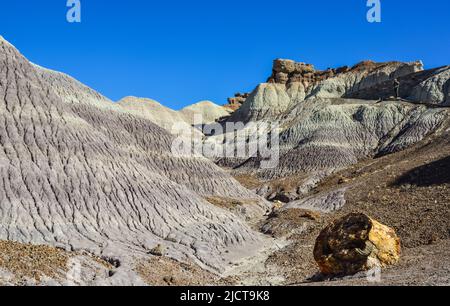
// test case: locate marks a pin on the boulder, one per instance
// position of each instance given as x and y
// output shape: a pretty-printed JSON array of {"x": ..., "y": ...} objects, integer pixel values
[{"x": 356, "y": 243}]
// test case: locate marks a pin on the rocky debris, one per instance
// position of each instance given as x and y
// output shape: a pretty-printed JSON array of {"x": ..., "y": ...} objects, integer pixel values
[
  {"x": 32, "y": 262},
  {"x": 276, "y": 207},
  {"x": 289, "y": 188},
  {"x": 285, "y": 222},
  {"x": 419, "y": 214},
  {"x": 83, "y": 173},
  {"x": 247, "y": 209},
  {"x": 356, "y": 243},
  {"x": 282, "y": 197},
  {"x": 168, "y": 272},
  {"x": 26, "y": 264}
]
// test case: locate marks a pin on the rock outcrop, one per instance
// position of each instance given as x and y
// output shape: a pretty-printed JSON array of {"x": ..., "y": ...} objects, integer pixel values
[
  {"x": 427, "y": 87},
  {"x": 435, "y": 89},
  {"x": 356, "y": 243},
  {"x": 234, "y": 103},
  {"x": 291, "y": 83},
  {"x": 333, "y": 83}
]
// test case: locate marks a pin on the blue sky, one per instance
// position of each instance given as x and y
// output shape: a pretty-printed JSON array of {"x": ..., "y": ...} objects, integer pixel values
[{"x": 181, "y": 52}]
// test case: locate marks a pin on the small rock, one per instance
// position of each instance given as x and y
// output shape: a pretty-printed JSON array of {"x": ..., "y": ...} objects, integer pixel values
[
  {"x": 311, "y": 215},
  {"x": 343, "y": 180},
  {"x": 158, "y": 251},
  {"x": 169, "y": 280}
]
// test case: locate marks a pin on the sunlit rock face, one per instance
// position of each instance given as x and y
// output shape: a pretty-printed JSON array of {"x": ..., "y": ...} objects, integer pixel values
[{"x": 434, "y": 89}]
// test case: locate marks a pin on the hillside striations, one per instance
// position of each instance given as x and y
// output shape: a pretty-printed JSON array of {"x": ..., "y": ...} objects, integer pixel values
[{"x": 80, "y": 172}]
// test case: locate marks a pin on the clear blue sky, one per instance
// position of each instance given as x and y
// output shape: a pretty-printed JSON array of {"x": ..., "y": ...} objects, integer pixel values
[{"x": 180, "y": 52}]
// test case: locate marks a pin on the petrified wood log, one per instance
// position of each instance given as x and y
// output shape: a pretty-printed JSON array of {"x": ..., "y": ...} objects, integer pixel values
[{"x": 356, "y": 243}]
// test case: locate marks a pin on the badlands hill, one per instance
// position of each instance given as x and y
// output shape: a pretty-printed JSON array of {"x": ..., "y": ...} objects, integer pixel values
[
  {"x": 208, "y": 111},
  {"x": 93, "y": 184},
  {"x": 83, "y": 174},
  {"x": 165, "y": 117},
  {"x": 323, "y": 130}
]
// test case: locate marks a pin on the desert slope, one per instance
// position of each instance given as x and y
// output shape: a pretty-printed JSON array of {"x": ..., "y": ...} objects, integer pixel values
[{"x": 79, "y": 172}]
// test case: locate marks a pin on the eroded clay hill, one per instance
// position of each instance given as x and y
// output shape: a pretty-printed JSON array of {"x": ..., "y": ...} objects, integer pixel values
[
  {"x": 324, "y": 127},
  {"x": 81, "y": 176},
  {"x": 81, "y": 173}
]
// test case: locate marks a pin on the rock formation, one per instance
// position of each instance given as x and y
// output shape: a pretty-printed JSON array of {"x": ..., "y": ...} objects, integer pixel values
[
  {"x": 236, "y": 102},
  {"x": 82, "y": 173},
  {"x": 328, "y": 134},
  {"x": 356, "y": 243},
  {"x": 427, "y": 87},
  {"x": 292, "y": 83},
  {"x": 323, "y": 128}
]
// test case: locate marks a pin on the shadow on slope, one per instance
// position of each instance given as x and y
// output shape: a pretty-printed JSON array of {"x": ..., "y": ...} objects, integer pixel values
[{"x": 435, "y": 173}]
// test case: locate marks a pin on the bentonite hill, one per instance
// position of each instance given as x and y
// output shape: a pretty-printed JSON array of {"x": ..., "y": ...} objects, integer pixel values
[{"x": 92, "y": 193}]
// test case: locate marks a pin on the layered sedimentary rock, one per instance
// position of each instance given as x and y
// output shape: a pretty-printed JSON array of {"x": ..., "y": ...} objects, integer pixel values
[
  {"x": 363, "y": 76},
  {"x": 80, "y": 172},
  {"x": 356, "y": 243},
  {"x": 434, "y": 89},
  {"x": 292, "y": 83},
  {"x": 333, "y": 82},
  {"x": 322, "y": 128},
  {"x": 327, "y": 134},
  {"x": 428, "y": 87}
]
